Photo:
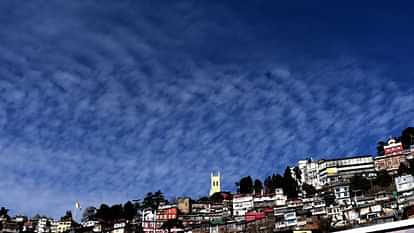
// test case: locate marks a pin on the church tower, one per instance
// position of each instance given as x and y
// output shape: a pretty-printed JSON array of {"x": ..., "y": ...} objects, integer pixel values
[{"x": 215, "y": 183}]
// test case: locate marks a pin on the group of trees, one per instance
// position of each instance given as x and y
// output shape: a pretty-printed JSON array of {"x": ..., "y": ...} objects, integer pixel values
[
  {"x": 4, "y": 214},
  {"x": 287, "y": 182},
  {"x": 126, "y": 211},
  {"x": 382, "y": 180}
]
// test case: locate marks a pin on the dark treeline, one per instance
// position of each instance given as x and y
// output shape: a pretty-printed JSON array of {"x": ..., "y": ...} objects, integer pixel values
[
  {"x": 287, "y": 182},
  {"x": 126, "y": 211}
]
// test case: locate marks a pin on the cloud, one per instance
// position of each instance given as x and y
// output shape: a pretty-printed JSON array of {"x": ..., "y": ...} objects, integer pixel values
[{"x": 105, "y": 102}]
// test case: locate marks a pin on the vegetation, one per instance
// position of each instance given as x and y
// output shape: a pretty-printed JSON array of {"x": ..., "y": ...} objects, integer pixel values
[
  {"x": 171, "y": 224},
  {"x": 258, "y": 186},
  {"x": 4, "y": 212},
  {"x": 406, "y": 138},
  {"x": 308, "y": 189},
  {"x": 360, "y": 183},
  {"x": 289, "y": 184},
  {"x": 67, "y": 216},
  {"x": 246, "y": 185},
  {"x": 383, "y": 179}
]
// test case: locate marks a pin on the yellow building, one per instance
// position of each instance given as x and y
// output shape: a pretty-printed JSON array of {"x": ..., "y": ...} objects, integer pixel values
[
  {"x": 64, "y": 225},
  {"x": 215, "y": 183}
]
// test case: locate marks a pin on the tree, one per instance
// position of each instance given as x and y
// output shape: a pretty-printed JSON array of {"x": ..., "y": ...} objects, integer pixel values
[
  {"x": 383, "y": 179},
  {"x": 216, "y": 198},
  {"x": 171, "y": 224},
  {"x": 403, "y": 169},
  {"x": 4, "y": 212},
  {"x": 359, "y": 183},
  {"x": 246, "y": 185},
  {"x": 380, "y": 148},
  {"x": 204, "y": 199},
  {"x": 4, "y": 215},
  {"x": 268, "y": 184},
  {"x": 407, "y": 137},
  {"x": 153, "y": 200},
  {"x": 329, "y": 198},
  {"x": 309, "y": 189},
  {"x": 67, "y": 216},
  {"x": 258, "y": 186},
  {"x": 103, "y": 213},
  {"x": 89, "y": 214},
  {"x": 129, "y": 210},
  {"x": 298, "y": 173},
  {"x": 289, "y": 184},
  {"x": 237, "y": 187},
  {"x": 277, "y": 181}
]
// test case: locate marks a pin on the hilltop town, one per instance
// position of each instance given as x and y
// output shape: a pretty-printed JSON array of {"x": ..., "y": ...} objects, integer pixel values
[{"x": 322, "y": 195}]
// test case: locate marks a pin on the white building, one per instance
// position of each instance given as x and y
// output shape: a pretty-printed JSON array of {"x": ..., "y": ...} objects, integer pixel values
[
  {"x": 285, "y": 218},
  {"x": 340, "y": 170},
  {"x": 405, "y": 189},
  {"x": 242, "y": 204},
  {"x": 275, "y": 199},
  {"x": 342, "y": 195},
  {"x": 54, "y": 226},
  {"x": 404, "y": 183},
  {"x": 63, "y": 226},
  {"x": 42, "y": 225},
  {"x": 310, "y": 172}
]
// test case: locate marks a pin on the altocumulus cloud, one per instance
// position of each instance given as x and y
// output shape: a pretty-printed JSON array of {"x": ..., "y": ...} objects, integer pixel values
[{"x": 103, "y": 102}]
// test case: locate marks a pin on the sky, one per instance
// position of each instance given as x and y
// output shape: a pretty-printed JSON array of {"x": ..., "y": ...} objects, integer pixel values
[{"x": 104, "y": 101}]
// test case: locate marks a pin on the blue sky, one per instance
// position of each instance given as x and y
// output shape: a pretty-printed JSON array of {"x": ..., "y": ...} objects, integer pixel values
[{"x": 103, "y": 101}]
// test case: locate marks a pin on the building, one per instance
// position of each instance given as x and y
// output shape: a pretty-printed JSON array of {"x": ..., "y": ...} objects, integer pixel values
[
  {"x": 405, "y": 189},
  {"x": 64, "y": 225},
  {"x": 149, "y": 222},
  {"x": 215, "y": 183},
  {"x": 270, "y": 200},
  {"x": 393, "y": 156},
  {"x": 242, "y": 203},
  {"x": 342, "y": 195},
  {"x": 166, "y": 213},
  {"x": 184, "y": 205},
  {"x": 43, "y": 225},
  {"x": 310, "y": 172},
  {"x": 285, "y": 218},
  {"x": 404, "y": 183},
  {"x": 119, "y": 228},
  {"x": 338, "y": 171}
]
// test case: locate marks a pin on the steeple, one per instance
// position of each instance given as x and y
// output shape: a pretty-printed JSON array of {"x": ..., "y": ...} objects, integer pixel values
[{"x": 215, "y": 183}]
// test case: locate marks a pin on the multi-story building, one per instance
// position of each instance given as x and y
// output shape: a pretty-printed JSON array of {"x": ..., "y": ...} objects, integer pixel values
[
  {"x": 149, "y": 221},
  {"x": 394, "y": 155},
  {"x": 337, "y": 171},
  {"x": 285, "y": 218},
  {"x": 242, "y": 203},
  {"x": 152, "y": 221},
  {"x": 166, "y": 213},
  {"x": 64, "y": 225},
  {"x": 270, "y": 200},
  {"x": 405, "y": 189},
  {"x": 43, "y": 225},
  {"x": 342, "y": 195},
  {"x": 310, "y": 172},
  {"x": 54, "y": 226}
]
